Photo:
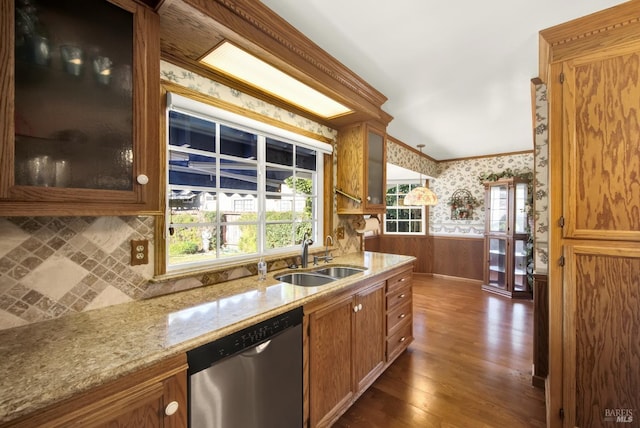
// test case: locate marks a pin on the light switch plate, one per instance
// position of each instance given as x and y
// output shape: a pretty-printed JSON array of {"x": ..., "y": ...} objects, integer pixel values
[
  {"x": 139, "y": 252},
  {"x": 340, "y": 233}
]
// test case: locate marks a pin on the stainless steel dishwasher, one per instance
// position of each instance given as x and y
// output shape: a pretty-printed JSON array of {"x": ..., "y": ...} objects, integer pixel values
[{"x": 249, "y": 379}]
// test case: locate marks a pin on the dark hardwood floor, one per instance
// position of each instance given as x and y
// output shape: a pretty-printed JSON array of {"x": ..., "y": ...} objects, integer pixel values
[{"x": 469, "y": 365}]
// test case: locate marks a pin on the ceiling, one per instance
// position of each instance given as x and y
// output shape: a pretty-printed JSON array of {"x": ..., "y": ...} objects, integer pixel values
[{"x": 457, "y": 74}]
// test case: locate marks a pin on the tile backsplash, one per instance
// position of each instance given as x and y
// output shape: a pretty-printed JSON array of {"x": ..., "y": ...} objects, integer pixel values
[{"x": 51, "y": 266}]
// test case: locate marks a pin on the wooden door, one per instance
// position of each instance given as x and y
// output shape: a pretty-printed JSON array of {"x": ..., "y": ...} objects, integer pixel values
[
  {"x": 330, "y": 384},
  {"x": 369, "y": 338},
  {"x": 601, "y": 238}
]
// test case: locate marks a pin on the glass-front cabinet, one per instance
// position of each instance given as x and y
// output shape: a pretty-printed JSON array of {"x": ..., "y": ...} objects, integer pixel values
[
  {"x": 361, "y": 169},
  {"x": 80, "y": 108},
  {"x": 507, "y": 247}
]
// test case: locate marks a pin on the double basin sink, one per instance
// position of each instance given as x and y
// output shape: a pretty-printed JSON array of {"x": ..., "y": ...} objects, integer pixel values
[{"x": 319, "y": 276}]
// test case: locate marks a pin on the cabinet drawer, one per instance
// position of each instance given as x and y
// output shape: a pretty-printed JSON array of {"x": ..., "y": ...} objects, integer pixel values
[
  {"x": 397, "y": 281},
  {"x": 397, "y": 315},
  {"x": 399, "y": 296},
  {"x": 398, "y": 342}
]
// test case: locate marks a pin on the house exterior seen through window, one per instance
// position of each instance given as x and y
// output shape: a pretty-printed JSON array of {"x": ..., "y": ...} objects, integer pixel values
[
  {"x": 236, "y": 192},
  {"x": 401, "y": 219}
]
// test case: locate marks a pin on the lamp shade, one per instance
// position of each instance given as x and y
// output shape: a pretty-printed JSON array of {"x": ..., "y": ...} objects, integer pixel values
[{"x": 420, "y": 196}]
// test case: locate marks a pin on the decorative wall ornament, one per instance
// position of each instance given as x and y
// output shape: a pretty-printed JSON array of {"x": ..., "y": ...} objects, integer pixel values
[{"x": 462, "y": 203}]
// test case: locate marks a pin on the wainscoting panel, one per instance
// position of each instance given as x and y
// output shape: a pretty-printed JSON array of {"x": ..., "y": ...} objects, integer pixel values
[{"x": 458, "y": 256}]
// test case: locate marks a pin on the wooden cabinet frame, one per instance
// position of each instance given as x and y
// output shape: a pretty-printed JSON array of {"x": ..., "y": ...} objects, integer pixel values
[{"x": 143, "y": 199}]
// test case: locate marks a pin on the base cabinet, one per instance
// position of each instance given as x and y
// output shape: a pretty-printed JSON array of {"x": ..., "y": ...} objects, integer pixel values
[
  {"x": 150, "y": 398},
  {"x": 346, "y": 351},
  {"x": 352, "y": 339}
]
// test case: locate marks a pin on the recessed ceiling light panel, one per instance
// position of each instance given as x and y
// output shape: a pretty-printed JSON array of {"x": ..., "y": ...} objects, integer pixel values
[{"x": 232, "y": 60}]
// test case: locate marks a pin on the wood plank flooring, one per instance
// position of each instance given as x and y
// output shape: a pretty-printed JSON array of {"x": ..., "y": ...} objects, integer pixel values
[{"x": 469, "y": 365}]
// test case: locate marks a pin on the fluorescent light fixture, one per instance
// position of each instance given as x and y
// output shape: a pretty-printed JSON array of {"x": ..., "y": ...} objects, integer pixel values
[{"x": 232, "y": 60}]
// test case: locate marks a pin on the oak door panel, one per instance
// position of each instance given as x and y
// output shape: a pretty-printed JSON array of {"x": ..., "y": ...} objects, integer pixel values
[
  {"x": 602, "y": 120},
  {"x": 369, "y": 337},
  {"x": 602, "y": 330},
  {"x": 330, "y": 342}
]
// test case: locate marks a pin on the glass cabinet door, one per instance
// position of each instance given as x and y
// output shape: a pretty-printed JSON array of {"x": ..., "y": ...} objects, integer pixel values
[
  {"x": 497, "y": 262},
  {"x": 520, "y": 265},
  {"x": 73, "y": 95},
  {"x": 521, "y": 196},
  {"x": 375, "y": 169},
  {"x": 498, "y": 213}
]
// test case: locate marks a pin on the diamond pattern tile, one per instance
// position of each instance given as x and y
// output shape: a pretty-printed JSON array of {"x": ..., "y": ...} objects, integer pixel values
[
  {"x": 108, "y": 233},
  {"x": 55, "y": 277}
]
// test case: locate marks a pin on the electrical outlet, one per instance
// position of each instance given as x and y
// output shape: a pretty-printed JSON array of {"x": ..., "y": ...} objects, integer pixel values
[
  {"x": 340, "y": 233},
  {"x": 139, "y": 252}
]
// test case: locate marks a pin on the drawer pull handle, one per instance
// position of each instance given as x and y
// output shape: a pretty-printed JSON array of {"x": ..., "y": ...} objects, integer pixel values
[
  {"x": 401, "y": 316},
  {"x": 402, "y": 339},
  {"x": 403, "y": 279},
  {"x": 171, "y": 408},
  {"x": 402, "y": 296}
]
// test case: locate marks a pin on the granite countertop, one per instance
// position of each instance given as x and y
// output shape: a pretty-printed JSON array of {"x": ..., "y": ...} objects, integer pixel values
[{"x": 46, "y": 362}]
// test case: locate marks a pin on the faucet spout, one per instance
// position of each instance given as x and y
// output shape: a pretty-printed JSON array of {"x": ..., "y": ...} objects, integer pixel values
[
  {"x": 327, "y": 257},
  {"x": 305, "y": 249}
]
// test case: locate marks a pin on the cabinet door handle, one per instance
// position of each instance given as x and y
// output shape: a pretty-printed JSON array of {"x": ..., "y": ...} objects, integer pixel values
[
  {"x": 142, "y": 179},
  {"x": 401, "y": 316},
  {"x": 355, "y": 308},
  {"x": 171, "y": 408}
]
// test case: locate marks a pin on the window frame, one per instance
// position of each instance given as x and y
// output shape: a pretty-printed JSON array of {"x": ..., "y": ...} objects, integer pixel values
[
  {"x": 425, "y": 212},
  {"x": 264, "y": 131}
]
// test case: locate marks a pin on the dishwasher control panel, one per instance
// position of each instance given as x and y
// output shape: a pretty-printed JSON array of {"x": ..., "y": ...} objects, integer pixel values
[{"x": 204, "y": 356}]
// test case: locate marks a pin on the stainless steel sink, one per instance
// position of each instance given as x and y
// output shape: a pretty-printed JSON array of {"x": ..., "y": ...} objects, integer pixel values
[
  {"x": 305, "y": 279},
  {"x": 319, "y": 276},
  {"x": 339, "y": 271}
]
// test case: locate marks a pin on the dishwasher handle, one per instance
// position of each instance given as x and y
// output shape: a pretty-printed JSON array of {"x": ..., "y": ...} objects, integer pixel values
[{"x": 256, "y": 350}]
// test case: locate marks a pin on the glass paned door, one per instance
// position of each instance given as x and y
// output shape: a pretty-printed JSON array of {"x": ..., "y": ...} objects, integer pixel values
[
  {"x": 498, "y": 215},
  {"x": 74, "y": 95},
  {"x": 375, "y": 186},
  {"x": 498, "y": 262},
  {"x": 520, "y": 265},
  {"x": 521, "y": 208}
]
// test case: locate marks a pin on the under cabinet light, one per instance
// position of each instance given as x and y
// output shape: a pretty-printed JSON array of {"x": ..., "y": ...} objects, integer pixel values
[{"x": 232, "y": 60}]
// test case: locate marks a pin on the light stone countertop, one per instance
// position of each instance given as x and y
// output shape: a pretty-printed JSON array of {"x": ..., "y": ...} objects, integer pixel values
[{"x": 46, "y": 362}]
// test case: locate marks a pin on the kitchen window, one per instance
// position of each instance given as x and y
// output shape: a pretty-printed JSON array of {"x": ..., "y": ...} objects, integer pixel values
[
  {"x": 401, "y": 219},
  {"x": 237, "y": 188}
]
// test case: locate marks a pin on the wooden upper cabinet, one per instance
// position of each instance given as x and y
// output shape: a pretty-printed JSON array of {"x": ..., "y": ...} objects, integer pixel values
[
  {"x": 80, "y": 108},
  {"x": 602, "y": 172},
  {"x": 362, "y": 161}
]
